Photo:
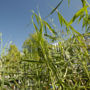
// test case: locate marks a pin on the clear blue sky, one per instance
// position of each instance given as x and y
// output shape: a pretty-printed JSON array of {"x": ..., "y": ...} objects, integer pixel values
[{"x": 15, "y": 16}]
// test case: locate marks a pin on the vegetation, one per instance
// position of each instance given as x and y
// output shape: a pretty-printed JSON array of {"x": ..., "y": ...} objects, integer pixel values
[{"x": 44, "y": 66}]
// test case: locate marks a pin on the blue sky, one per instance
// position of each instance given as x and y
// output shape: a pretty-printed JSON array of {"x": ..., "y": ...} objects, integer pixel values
[{"x": 15, "y": 17}]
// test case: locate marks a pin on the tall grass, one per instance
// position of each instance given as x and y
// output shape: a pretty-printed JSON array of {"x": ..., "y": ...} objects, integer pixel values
[
  {"x": 44, "y": 66},
  {"x": 68, "y": 61}
]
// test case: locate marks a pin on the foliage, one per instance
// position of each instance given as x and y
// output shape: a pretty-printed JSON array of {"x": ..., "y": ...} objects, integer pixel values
[{"x": 41, "y": 65}]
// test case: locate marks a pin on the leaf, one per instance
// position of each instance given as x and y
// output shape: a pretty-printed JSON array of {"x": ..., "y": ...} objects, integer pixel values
[
  {"x": 49, "y": 27},
  {"x": 51, "y": 37},
  {"x": 34, "y": 25},
  {"x": 68, "y": 2},
  {"x": 66, "y": 23},
  {"x": 33, "y": 61},
  {"x": 55, "y": 8},
  {"x": 81, "y": 17},
  {"x": 45, "y": 28},
  {"x": 61, "y": 19},
  {"x": 37, "y": 19},
  {"x": 41, "y": 25},
  {"x": 74, "y": 30},
  {"x": 83, "y": 2},
  {"x": 76, "y": 15}
]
